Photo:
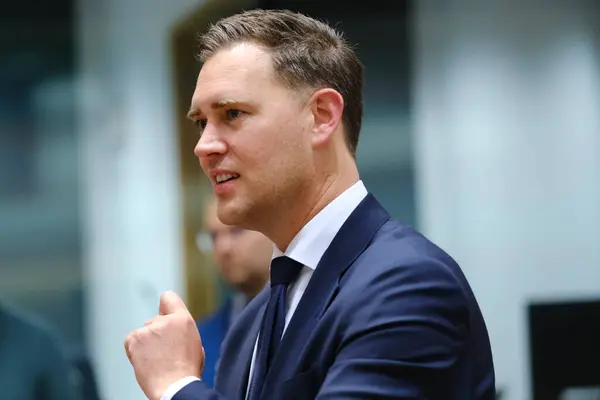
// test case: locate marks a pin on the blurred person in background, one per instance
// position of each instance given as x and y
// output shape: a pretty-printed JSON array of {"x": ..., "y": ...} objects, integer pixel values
[
  {"x": 84, "y": 379},
  {"x": 32, "y": 363},
  {"x": 242, "y": 258}
]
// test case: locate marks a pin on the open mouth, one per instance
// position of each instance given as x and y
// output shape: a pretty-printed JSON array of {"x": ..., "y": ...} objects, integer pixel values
[{"x": 222, "y": 178}]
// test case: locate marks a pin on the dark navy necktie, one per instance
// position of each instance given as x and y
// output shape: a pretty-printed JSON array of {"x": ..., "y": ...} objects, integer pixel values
[{"x": 284, "y": 271}]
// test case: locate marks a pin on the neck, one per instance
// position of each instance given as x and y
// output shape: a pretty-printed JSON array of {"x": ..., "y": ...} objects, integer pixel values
[{"x": 308, "y": 206}]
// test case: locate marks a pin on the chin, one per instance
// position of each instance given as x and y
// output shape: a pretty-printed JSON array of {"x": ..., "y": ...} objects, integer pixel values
[{"x": 230, "y": 213}]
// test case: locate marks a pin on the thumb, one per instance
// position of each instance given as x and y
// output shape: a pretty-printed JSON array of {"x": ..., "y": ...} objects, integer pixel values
[{"x": 171, "y": 303}]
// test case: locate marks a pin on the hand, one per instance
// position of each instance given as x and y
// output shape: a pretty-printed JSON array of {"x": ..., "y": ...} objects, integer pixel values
[{"x": 166, "y": 349}]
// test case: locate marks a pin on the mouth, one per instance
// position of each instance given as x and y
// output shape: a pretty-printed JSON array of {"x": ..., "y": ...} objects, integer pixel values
[{"x": 222, "y": 178}]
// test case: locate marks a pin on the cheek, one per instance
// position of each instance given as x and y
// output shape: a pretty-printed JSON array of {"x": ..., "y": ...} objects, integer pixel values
[
  {"x": 258, "y": 151},
  {"x": 220, "y": 259},
  {"x": 271, "y": 148},
  {"x": 253, "y": 145}
]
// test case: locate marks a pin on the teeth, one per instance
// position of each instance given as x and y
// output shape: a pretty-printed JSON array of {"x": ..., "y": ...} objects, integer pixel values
[{"x": 225, "y": 177}]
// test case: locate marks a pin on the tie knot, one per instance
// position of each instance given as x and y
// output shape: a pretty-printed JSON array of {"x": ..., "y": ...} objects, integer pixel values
[{"x": 284, "y": 270}]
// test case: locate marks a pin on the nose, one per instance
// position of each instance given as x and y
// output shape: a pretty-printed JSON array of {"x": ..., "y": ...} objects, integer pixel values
[
  {"x": 223, "y": 245},
  {"x": 209, "y": 144}
]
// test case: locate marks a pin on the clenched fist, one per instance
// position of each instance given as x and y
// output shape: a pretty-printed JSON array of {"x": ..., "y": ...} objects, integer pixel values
[{"x": 167, "y": 349}]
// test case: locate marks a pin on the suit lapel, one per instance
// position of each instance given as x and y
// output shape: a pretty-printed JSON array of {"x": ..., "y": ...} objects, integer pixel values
[
  {"x": 244, "y": 331},
  {"x": 348, "y": 244},
  {"x": 248, "y": 349}
]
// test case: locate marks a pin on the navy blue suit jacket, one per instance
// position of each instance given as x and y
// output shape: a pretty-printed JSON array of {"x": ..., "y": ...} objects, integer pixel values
[
  {"x": 386, "y": 315},
  {"x": 213, "y": 330}
]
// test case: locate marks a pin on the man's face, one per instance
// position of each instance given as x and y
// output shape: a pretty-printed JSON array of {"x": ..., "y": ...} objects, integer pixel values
[
  {"x": 255, "y": 143},
  {"x": 242, "y": 256}
]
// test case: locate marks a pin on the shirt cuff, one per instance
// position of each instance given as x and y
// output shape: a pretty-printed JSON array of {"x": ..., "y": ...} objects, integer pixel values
[{"x": 177, "y": 386}]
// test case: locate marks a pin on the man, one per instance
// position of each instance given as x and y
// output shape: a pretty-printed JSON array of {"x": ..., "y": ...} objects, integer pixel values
[
  {"x": 242, "y": 258},
  {"x": 32, "y": 363},
  {"x": 360, "y": 306}
]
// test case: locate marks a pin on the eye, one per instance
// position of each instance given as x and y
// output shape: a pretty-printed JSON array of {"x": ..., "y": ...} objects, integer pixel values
[
  {"x": 232, "y": 114},
  {"x": 200, "y": 124}
]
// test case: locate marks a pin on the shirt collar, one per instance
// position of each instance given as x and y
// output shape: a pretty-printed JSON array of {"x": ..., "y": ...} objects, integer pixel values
[{"x": 309, "y": 245}]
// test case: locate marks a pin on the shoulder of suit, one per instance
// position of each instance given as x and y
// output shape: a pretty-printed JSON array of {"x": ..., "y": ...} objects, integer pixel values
[{"x": 400, "y": 247}]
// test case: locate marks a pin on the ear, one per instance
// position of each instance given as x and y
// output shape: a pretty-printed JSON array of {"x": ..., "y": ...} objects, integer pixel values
[{"x": 327, "y": 106}]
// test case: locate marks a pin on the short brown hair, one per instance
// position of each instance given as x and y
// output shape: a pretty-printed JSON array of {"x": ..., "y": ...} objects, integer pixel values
[{"x": 305, "y": 53}]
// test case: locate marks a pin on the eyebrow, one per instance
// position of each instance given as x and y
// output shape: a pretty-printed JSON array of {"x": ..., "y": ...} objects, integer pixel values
[{"x": 195, "y": 112}]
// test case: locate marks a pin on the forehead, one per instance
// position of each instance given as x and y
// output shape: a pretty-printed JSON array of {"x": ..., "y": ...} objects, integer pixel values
[{"x": 241, "y": 70}]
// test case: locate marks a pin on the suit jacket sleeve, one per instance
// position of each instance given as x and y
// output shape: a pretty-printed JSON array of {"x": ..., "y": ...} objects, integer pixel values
[
  {"x": 401, "y": 333},
  {"x": 198, "y": 390}
]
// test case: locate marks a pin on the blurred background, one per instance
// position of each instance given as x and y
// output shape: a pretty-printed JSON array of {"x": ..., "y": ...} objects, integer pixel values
[{"x": 481, "y": 128}]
